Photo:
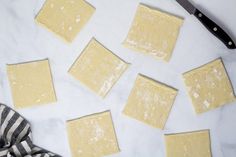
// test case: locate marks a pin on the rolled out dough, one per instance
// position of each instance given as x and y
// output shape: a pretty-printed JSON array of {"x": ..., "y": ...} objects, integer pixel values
[
  {"x": 150, "y": 102},
  {"x": 190, "y": 144},
  {"x": 209, "y": 86},
  {"x": 153, "y": 32},
  {"x": 66, "y": 18},
  {"x": 98, "y": 68},
  {"x": 92, "y": 136},
  {"x": 31, "y": 83}
]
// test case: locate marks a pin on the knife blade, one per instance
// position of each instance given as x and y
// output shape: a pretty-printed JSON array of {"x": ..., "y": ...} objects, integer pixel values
[{"x": 208, "y": 23}]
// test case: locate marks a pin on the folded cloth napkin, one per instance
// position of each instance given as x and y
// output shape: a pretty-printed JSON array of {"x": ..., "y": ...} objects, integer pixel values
[{"x": 15, "y": 136}]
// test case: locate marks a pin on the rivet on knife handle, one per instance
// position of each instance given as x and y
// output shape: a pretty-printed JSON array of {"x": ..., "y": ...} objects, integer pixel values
[{"x": 215, "y": 29}]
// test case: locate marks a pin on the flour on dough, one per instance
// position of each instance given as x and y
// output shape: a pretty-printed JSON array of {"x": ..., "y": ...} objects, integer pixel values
[
  {"x": 209, "y": 86},
  {"x": 150, "y": 101},
  {"x": 66, "y": 18},
  {"x": 92, "y": 136},
  {"x": 98, "y": 68},
  {"x": 31, "y": 83},
  {"x": 189, "y": 144},
  {"x": 153, "y": 32}
]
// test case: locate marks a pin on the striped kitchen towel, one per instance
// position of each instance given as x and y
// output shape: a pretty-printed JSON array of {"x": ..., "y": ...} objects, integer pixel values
[{"x": 16, "y": 140}]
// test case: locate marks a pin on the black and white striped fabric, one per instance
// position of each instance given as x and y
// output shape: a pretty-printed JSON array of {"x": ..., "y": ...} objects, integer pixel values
[{"x": 16, "y": 140}]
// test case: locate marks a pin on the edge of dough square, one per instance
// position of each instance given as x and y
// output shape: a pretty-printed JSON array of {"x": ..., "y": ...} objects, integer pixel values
[
  {"x": 153, "y": 32},
  {"x": 150, "y": 101},
  {"x": 66, "y": 18},
  {"x": 188, "y": 144},
  {"x": 208, "y": 86},
  {"x": 98, "y": 68},
  {"x": 92, "y": 135},
  {"x": 31, "y": 83}
]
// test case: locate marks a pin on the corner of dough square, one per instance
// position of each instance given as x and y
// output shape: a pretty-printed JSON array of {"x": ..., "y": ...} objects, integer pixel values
[
  {"x": 150, "y": 102},
  {"x": 98, "y": 68},
  {"x": 31, "y": 83},
  {"x": 66, "y": 18},
  {"x": 153, "y": 32},
  {"x": 189, "y": 144},
  {"x": 209, "y": 86},
  {"x": 92, "y": 136}
]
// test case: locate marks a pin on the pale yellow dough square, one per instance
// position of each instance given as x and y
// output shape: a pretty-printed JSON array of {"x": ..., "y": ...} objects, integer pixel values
[
  {"x": 98, "y": 68},
  {"x": 153, "y": 32},
  {"x": 66, "y": 18},
  {"x": 92, "y": 136},
  {"x": 209, "y": 86},
  {"x": 31, "y": 83},
  {"x": 150, "y": 101},
  {"x": 189, "y": 144}
]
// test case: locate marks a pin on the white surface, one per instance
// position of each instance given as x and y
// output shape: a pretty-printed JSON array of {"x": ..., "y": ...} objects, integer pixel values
[
  {"x": 22, "y": 40},
  {"x": 48, "y": 133}
]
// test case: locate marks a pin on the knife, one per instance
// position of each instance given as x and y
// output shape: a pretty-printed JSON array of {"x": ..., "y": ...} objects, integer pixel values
[{"x": 208, "y": 23}]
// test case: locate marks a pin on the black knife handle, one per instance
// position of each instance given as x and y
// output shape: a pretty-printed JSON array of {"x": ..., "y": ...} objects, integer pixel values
[{"x": 215, "y": 29}]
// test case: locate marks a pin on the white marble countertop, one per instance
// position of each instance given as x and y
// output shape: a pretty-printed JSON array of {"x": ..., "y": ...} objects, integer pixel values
[{"x": 22, "y": 40}]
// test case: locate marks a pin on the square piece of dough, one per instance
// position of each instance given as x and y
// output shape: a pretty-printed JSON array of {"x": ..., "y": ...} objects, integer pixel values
[
  {"x": 31, "y": 83},
  {"x": 92, "y": 136},
  {"x": 150, "y": 102},
  {"x": 153, "y": 32},
  {"x": 190, "y": 144},
  {"x": 209, "y": 86},
  {"x": 98, "y": 68},
  {"x": 65, "y": 17}
]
